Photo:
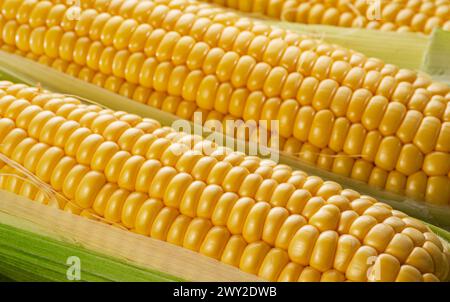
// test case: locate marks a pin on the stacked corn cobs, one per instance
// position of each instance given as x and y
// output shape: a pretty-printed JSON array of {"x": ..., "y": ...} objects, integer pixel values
[
  {"x": 263, "y": 218},
  {"x": 399, "y": 15},
  {"x": 355, "y": 116},
  {"x": 337, "y": 109}
]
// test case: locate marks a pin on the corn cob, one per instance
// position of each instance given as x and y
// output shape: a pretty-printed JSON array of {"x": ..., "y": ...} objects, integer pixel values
[
  {"x": 263, "y": 218},
  {"x": 351, "y": 115},
  {"x": 398, "y": 15},
  {"x": 205, "y": 16},
  {"x": 165, "y": 9}
]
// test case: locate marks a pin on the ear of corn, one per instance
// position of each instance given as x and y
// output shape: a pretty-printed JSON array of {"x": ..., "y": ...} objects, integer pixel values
[
  {"x": 384, "y": 15},
  {"x": 263, "y": 218},
  {"x": 343, "y": 112}
]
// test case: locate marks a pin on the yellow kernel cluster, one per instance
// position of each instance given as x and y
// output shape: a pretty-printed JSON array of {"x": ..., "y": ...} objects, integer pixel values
[
  {"x": 389, "y": 15},
  {"x": 263, "y": 218},
  {"x": 338, "y": 110}
]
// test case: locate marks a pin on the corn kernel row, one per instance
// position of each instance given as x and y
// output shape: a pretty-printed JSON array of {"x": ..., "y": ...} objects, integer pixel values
[
  {"x": 100, "y": 121},
  {"x": 221, "y": 28},
  {"x": 158, "y": 6},
  {"x": 197, "y": 18},
  {"x": 402, "y": 16},
  {"x": 323, "y": 233},
  {"x": 343, "y": 135}
]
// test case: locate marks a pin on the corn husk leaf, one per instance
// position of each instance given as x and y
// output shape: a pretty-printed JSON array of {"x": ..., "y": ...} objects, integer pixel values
[
  {"x": 38, "y": 239},
  {"x": 437, "y": 57},
  {"x": 26, "y": 256}
]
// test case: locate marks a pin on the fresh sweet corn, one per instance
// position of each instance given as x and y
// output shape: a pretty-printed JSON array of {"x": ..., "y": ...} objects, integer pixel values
[
  {"x": 343, "y": 112},
  {"x": 263, "y": 218},
  {"x": 387, "y": 15}
]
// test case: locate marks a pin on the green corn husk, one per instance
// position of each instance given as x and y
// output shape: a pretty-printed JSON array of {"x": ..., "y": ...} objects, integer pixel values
[
  {"x": 440, "y": 232},
  {"x": 26, "y": 256},
  {"x": 436, "y": 60}
]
